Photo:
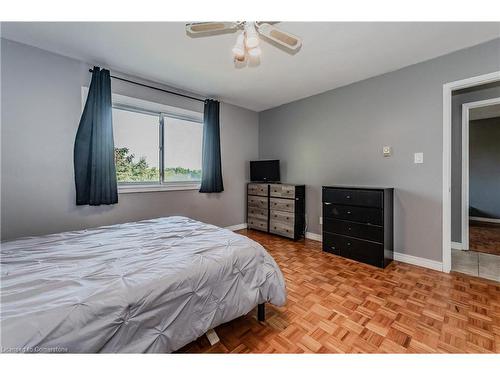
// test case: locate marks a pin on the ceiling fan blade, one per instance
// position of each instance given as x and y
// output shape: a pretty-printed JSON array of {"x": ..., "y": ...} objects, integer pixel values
[
  {"x": 281, "y": 37},
  {"x": 210, "y": 28}
]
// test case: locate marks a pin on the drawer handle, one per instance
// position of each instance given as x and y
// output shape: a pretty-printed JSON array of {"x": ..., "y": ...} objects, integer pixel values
[
  {"x": 327, "y": 203},
  {"x": 333, "y": 247},
  {"x": 274, "y": 227},
  {"x": 348, "y": 244},
  {"x": 348, "y": 212},
  {"x": 349, "y": 228},
  {"x": 348, "y": 197}
]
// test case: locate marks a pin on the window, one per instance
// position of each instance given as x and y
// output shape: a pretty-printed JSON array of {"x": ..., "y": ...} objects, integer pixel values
[
  {"x": 137, "y": 140},
  {"x": 156, "y": 150},
  {"x": 182, "y": 141}
]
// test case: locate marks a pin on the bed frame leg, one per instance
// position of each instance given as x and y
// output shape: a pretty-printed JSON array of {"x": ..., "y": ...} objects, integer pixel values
[
  {"x": 212, "y": 337},
  {"x": 261, "y": 312}
]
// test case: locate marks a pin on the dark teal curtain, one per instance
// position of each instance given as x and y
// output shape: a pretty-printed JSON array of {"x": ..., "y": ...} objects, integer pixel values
[
  {"x": 211, "y": 166},
  {"x": 95, "y": 177}
]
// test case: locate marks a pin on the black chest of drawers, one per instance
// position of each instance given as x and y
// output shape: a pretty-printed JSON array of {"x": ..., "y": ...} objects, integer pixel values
[{"x": 358, "y": 223}]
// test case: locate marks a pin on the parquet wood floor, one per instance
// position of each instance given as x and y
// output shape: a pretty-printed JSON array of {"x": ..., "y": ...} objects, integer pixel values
[
  {"x": 484, "y": 237},
  {"x": 336, "y": 305}
]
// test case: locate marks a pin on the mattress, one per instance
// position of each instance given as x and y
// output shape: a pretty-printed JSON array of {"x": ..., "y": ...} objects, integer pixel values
[{"x": 147, "y": 286}]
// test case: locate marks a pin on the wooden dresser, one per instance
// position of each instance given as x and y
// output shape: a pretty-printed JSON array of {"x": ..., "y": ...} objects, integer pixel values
[
  {"x": 276, "y": 208},
  {"x": 358, "y": 223}
]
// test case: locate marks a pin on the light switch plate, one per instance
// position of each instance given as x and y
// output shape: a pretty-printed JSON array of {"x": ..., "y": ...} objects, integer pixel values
[
  {"x": 419, "y": 158},
  {"x": 387, "y": 151},
  {"x": 321, "y": 220}
]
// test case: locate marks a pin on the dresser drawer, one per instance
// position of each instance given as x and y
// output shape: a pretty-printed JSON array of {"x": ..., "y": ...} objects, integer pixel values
[
  {"x": 257, "y": 224},
  {"x": 368, "y": 198},
  {"x": 349, "y": 228},
  {"x": 282, "y": 191},
  {"x": 359, "y": 250},
  {"x": 280, "y": 204},
  {"x": 365, "y": 215},
  {"x": 283, "y": 229},
  {"x": 283, "y": 216},
  {"x": 331, "y": 243},
  {"x": 257, "y": 202},
  {"x": 257, "y": 213},
  {"x": 257, "y": 189},
  {"x": 366, "y": 252}
]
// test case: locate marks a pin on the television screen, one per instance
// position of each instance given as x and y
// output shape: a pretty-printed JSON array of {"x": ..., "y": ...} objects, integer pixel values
[{"x": 265, "y": 170}]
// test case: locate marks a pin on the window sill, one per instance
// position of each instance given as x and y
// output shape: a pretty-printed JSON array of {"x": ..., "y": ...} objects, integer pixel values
[{"x": 172, "y": 186}]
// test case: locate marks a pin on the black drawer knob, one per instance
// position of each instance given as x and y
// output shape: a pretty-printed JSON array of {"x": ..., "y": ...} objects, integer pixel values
[
  {"x": 348, "y": 244},
  {"x": 349, "y": 228},
  {"x": 348, "y": 197},
  {"x": 348, "y": 212},
  {"x": 333, "y": 247}
]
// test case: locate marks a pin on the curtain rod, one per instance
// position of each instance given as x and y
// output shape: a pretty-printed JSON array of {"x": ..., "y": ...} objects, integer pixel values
[{"x": 154, "y": 88}]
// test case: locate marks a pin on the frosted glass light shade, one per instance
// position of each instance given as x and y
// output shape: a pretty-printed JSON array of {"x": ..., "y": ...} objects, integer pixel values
[
  {"x": 255, "y": 52},
  {"x": 252, "y": 38},
  {"x": 239, "y": 48}
]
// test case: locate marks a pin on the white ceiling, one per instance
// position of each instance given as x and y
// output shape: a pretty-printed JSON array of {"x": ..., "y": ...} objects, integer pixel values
[{"x": 333, "y": 54}]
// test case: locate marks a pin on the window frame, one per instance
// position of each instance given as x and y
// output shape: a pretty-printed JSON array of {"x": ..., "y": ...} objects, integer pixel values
[{"x": 161, "y": 185}]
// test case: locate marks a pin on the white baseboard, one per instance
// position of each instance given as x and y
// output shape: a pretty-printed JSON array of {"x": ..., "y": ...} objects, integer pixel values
[
  {"x": 485, "y": 219},
  {"x": 410, "y": 259},
  {"x": 314, "y": 236},
  {"x": 456, "y": 245},
  {"x": 417, "y": 261},
  {"x": 237, "y": 227}
]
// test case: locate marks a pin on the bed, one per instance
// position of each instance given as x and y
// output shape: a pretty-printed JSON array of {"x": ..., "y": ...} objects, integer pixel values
[{"x": 147, "y": 286}]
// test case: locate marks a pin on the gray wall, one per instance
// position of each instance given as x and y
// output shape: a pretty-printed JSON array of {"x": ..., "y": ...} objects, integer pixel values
[
  {"x": 484, "y": 168},
  {"x": 460, "y": 97},
  {"x": 337, "y": 138},
  {"x": 41, "y": 106}
]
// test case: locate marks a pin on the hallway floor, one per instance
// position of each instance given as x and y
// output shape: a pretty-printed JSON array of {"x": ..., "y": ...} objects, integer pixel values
[
  {"x": 484, "y": 237},
  {"x": 476, "y": 264}
]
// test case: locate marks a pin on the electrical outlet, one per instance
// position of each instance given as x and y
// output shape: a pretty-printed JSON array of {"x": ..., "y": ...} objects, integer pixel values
[
  {"x": 321, "y": 220},
  {"x": 387, "y": 151},
  {"x": 419, "y": 158}
]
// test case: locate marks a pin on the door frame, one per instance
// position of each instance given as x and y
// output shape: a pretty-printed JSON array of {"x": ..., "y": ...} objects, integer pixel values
[
  {"x": 466, "y": 107},
  {"x": 446, "y": 198}
]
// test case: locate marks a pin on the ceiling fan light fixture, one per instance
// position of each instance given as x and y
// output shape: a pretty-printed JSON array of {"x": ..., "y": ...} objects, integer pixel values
[
  {"x": 247, "y": 51},
  {"x": 252, "y": 38}
]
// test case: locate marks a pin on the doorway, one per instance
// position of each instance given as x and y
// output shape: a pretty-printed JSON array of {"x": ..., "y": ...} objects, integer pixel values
[
  {"x": 480, "y": 246},
  {"x": 449, "y": 89},
  {"x": 481, "y": 176}
]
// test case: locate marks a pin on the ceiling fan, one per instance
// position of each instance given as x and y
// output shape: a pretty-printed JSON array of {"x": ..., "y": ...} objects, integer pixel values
[{"x": 247, "y": 41}]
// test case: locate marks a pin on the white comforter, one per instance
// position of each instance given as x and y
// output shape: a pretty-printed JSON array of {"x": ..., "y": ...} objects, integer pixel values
[{"x": 148, "y": 286}]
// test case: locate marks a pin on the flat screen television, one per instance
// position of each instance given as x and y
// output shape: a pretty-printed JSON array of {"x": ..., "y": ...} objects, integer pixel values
[{"x": 265, "y": 170}]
